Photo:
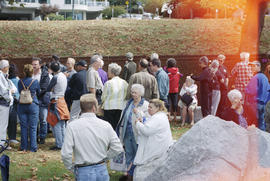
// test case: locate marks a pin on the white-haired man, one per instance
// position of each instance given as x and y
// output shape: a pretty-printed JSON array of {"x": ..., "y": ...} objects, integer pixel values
[
  {"x": 242, "y": 73},
  {"x": 91, "y": 141},
  {"x": 6, "y": 99},
  {"x": 93, "y": 81}
]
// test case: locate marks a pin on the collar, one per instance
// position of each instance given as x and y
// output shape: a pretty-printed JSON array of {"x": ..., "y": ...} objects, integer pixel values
[
  {"x": 144, "y": 70},
  {"x": 88, "y": 114}
]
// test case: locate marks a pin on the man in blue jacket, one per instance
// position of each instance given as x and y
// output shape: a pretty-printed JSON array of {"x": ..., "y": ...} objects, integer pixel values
[{"x": 257, "y": 92}]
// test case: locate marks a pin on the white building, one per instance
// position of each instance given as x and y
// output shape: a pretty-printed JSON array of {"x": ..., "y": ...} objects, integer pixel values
[{"x": 83, "y": 9}]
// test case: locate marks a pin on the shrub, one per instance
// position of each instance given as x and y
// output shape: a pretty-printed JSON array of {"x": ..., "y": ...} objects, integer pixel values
[
  {"x": 117, "y": 10},
  {"x": 54, "y": 17}
]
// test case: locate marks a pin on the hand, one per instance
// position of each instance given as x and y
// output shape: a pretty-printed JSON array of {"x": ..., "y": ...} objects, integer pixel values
[{"x": 135, "y": 110}]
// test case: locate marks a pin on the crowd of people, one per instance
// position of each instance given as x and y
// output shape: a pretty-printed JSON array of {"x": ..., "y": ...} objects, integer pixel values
[{"x": 93, "y": 114}]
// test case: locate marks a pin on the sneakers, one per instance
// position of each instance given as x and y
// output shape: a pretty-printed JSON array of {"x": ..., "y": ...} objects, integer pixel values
[
  {"x": 14, "y": 142},
  {"x": 55, "y": 148}
]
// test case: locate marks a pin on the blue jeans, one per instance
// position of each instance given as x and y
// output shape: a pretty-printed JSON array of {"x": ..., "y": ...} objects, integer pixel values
[
  {"x": 260, "y": 116},
  {"x": 130, "y": 149},
  {"x": 92, "y": 173},
  {"x": 43, "y": 112},
  {"x": 28, "y": 115},
  {"x": 59, "y": 133}
]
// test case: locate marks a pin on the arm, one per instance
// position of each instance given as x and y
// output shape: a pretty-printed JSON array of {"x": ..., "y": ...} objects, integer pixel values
[
  {"x": 115, "y": 146},
  {"x": 104, "y": 93},
  {"x": 52, "y": 84},
  {"x": 148, "y": 128},
  {"x": 203, "y": 75},
  {"x": 155, "y": 94},
  {"x": 67, "y": 149}
]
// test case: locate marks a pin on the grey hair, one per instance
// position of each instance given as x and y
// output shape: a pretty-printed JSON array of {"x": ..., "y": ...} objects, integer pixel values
[
  {"x": 154, "y": 56},
  {"x": 139, "y": 88},
  {"x": 114, "y": 68},
  {"x": 244, "y": 55},
  {"x": 188, "y": 78},
  {"x": 233, "y": 94},
  {"x": 101, "y": 63}
]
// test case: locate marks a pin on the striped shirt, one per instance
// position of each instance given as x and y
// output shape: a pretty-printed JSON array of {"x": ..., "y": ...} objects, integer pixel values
[{"x": 114, "y": 93}]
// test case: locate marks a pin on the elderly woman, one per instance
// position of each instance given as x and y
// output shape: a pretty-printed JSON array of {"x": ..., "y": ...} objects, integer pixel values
[
  {"x": 135, "y": 108},
  {"x": 188, "y": 89},
  {"x": 236, "y": 112},
  {"x": 29, "y": 113},
  {"x": 6, "y": 99},
  {"x": 113, "y": 96},
  {"x": 154, "y": 139}
]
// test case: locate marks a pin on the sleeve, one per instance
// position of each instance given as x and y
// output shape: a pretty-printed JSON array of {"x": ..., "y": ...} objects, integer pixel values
[
  {"x": 182, "y": 91},
  {"x": 155, "y": 94},
  {"x": 115, "y": 146},
  {"x": 67, "y": 148},
  {"x": 44, "y": 82},
  {"x": 4, "y": 90},
  {"x": 104, "y": 93},
  {"x": 91, "y": 80},
  {"x": 131, "y": 80},
  {"x": 202, "y": 76},
  {"x": 52, "y": 84},
  {"x": 148, "y": 128}
]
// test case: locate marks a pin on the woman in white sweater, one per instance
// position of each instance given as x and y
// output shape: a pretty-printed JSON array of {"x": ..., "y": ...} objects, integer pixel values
[
  {"x": 154, "y": 140},
  {"x": 190, "y": 89}
]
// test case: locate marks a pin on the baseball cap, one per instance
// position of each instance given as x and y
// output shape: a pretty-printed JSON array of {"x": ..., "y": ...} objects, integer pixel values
[{"x": 82, "y": 63}]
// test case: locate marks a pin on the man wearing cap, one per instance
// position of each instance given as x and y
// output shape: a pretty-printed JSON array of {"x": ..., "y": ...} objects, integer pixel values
[
  {"x": 242, "y": 72},
  {"x": 77, "y": 86},
  {"x": 205, "y": 90},
  {"x": 6, "y": 98},
  {"x": 223, "y": 86},
  {"x": 93, "y": 81},
  {"x": 91, "y": 141},
  {"x": 129, "y": 68},
  {"x": 257, "y": 92}
]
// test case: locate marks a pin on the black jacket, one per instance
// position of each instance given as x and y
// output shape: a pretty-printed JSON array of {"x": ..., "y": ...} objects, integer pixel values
[
  {"x": 44, "y": 97},
  {"x": 77, "y": 85}
]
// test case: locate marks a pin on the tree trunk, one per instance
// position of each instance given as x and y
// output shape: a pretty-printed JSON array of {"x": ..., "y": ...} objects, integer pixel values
[{"x": 253, "y": 25}]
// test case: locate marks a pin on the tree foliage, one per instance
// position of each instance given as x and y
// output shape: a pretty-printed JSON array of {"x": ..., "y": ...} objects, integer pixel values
[
  {"x": 117, "y": 10},
  {"x": 46, "y": 10}
]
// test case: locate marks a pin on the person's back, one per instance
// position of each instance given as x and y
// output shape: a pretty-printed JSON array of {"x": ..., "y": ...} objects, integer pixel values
[
  {"x": 89, "y": 141},
  {"x": 148, "y": 81},
  {"x": 77, "y": 85}
]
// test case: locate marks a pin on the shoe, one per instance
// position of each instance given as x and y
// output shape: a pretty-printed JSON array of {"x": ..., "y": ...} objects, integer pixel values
[
  {"x": 55, "y": 148},
  {"x": 9, "y": 148},
  {"x": 14, "y": 141},
  {"x": 42, "y": 141}
]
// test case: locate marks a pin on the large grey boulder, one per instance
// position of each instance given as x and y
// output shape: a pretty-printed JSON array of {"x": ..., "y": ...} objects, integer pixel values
[{"x": 217, "y": 150}]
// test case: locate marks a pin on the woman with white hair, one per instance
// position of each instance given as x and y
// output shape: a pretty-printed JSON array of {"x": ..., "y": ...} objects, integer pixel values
[
  {"x": 6, "y": 98},
  {"x": 236, "y": 112},
  {"x": 136, "y": 107},
  {"x": 113, "y": 96},
  {"x": 189, "y": 90}
]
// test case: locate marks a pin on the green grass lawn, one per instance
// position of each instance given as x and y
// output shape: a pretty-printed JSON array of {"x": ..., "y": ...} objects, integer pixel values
[
  {"x": 46, "y": 165},
  {"x": 118, "y": 36}
]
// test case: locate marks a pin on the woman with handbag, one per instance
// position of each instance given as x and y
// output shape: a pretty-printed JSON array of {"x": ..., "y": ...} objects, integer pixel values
[
  {"x": 188, "y": 101},
  {"x": 135, "y": 108},
  {"x": 28, "y": 109}
]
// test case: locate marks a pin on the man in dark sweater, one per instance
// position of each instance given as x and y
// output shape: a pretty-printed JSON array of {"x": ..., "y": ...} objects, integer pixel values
[
  {"x": 204, "y": 86},
  {"x": 77, "y": 86}
]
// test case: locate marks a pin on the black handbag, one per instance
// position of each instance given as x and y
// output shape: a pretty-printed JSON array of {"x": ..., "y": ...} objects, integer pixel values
[{"x": 186, "y": 99}]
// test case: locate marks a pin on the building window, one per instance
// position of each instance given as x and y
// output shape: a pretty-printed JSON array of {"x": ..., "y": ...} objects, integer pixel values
[{"x": 67, "y": 1}]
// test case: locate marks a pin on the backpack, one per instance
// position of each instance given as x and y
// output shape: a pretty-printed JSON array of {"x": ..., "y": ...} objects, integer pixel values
[{"x": 25, "y": 95}]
